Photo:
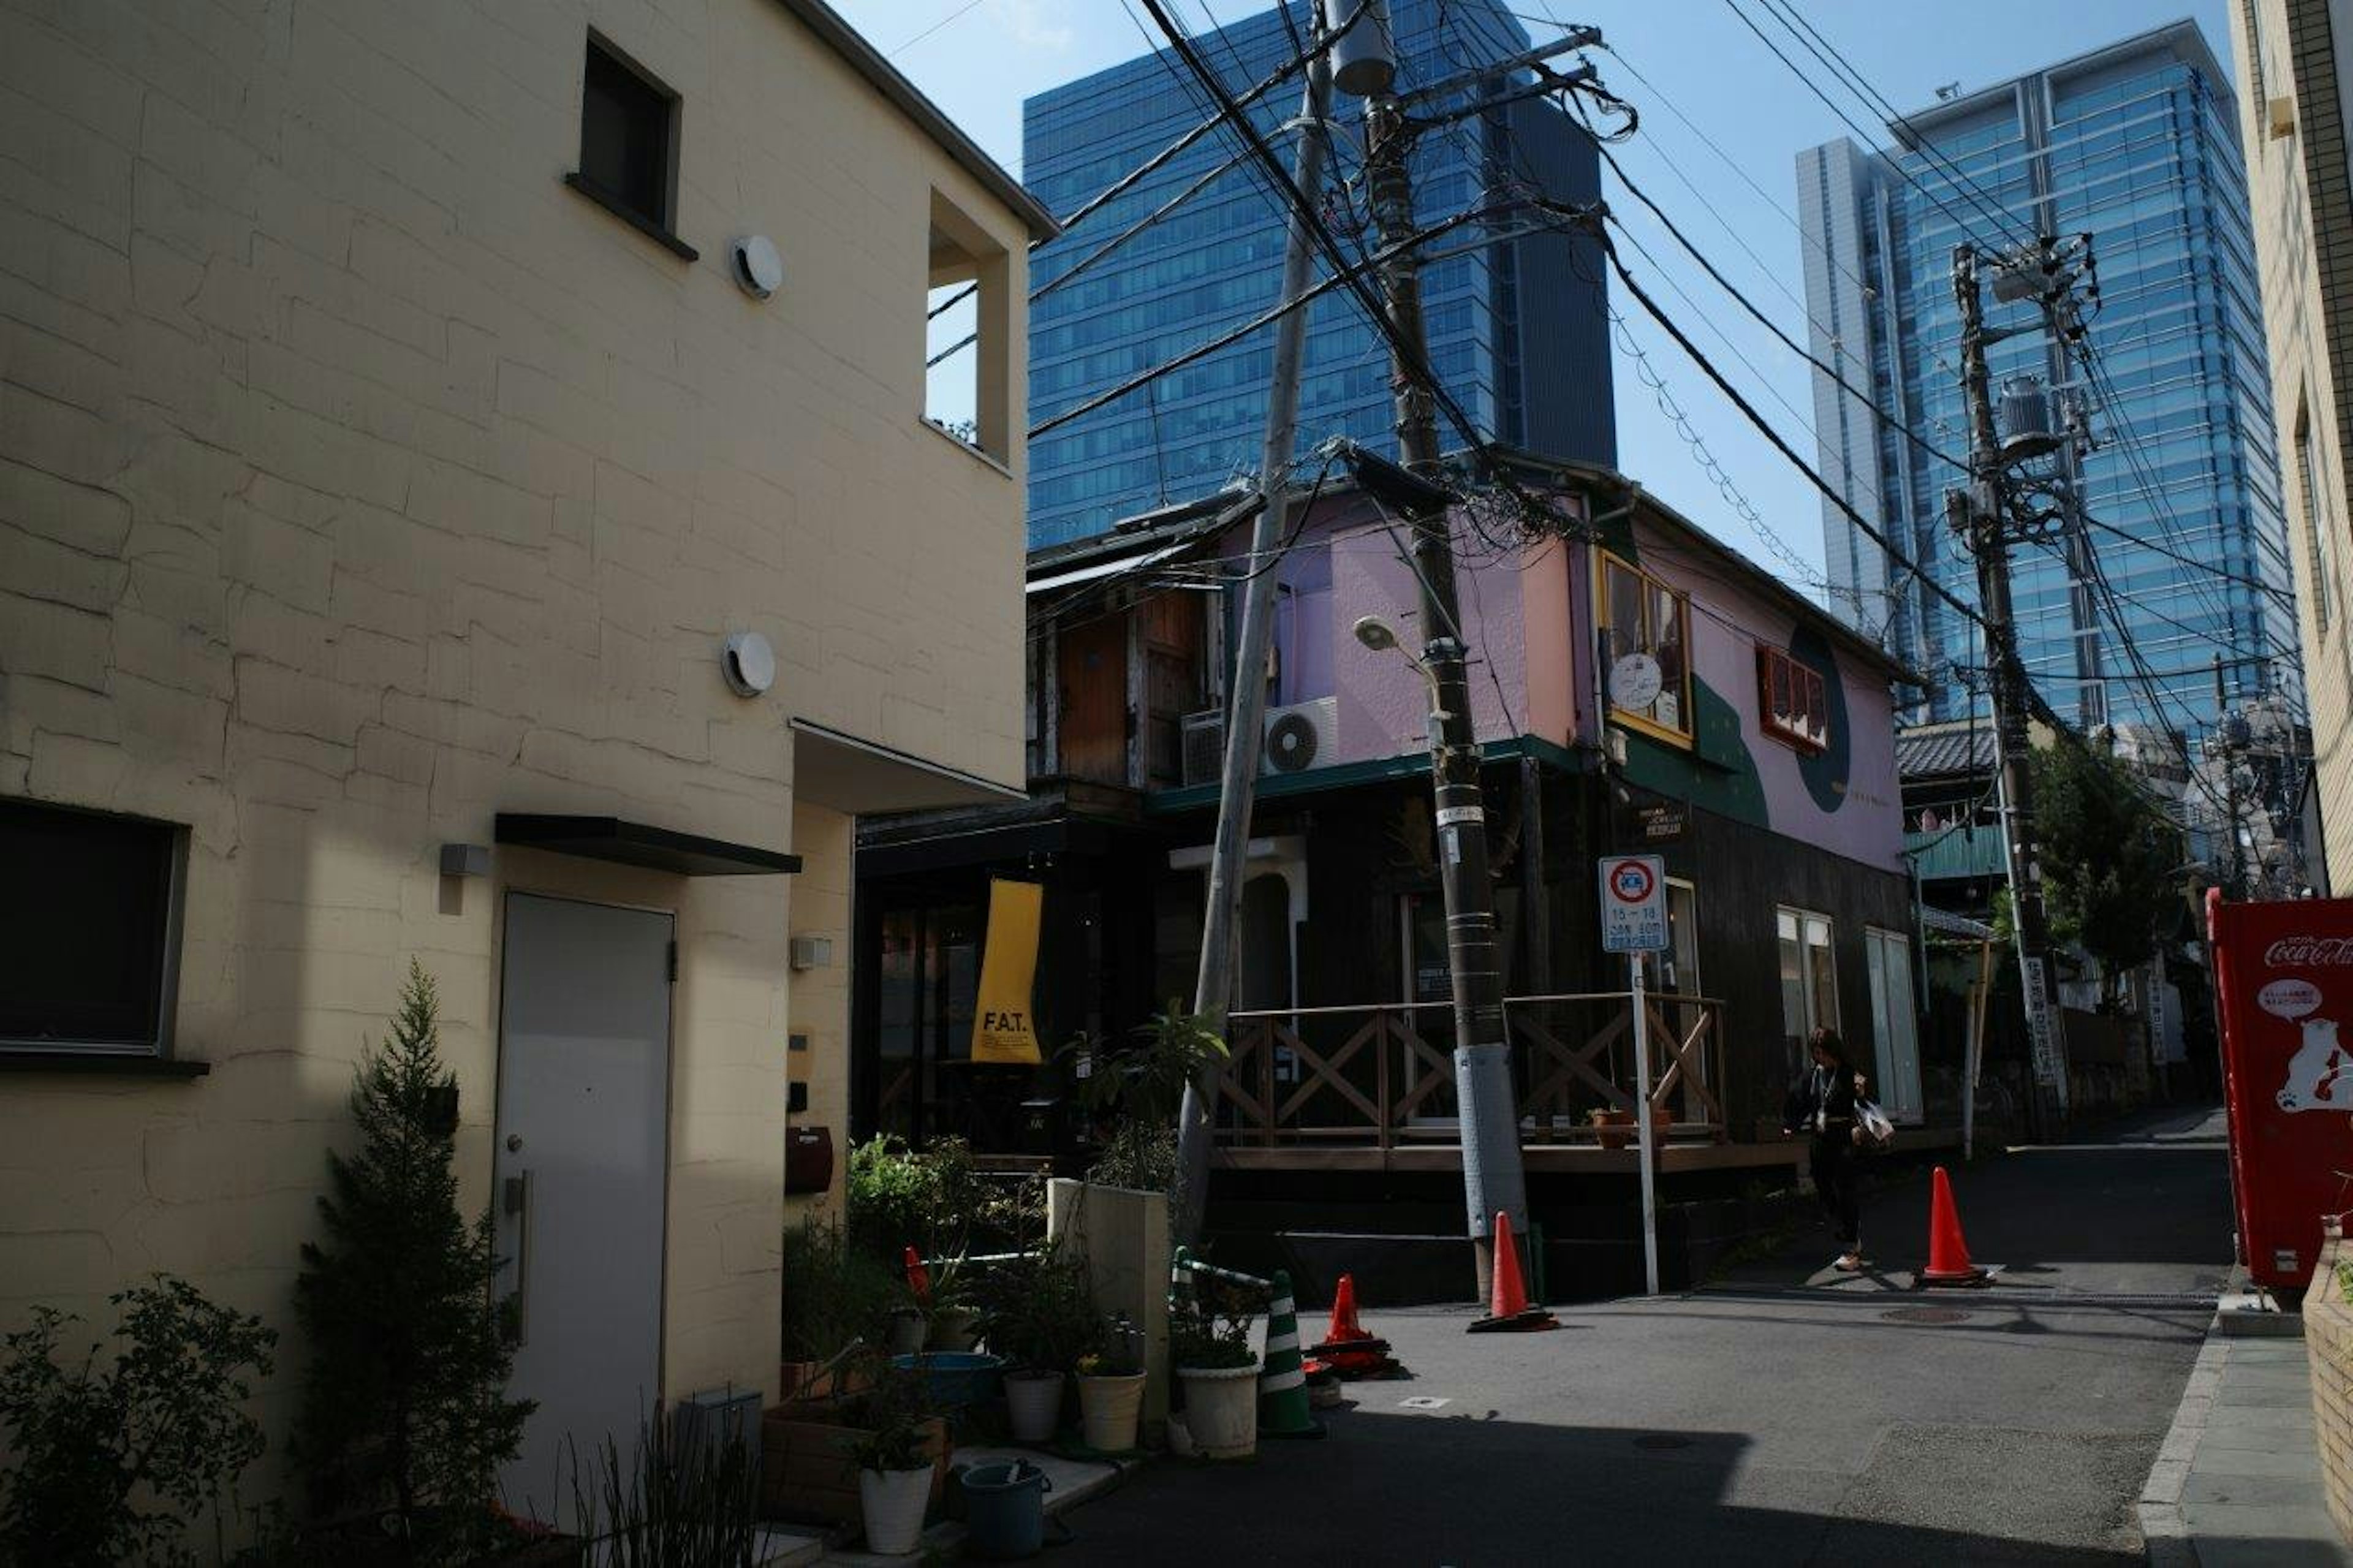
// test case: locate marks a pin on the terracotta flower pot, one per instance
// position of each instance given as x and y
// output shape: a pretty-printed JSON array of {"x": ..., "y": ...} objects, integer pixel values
[
  {"x": 1033, "y": 1402},
  {"x": 892, "y": 1502},
  {"x": 1221, "y": 1409},
  {"x": 1109, "y": 1408}
]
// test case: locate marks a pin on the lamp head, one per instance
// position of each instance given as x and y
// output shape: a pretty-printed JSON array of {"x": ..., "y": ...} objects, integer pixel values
[{"x": 1375, "y": 634}]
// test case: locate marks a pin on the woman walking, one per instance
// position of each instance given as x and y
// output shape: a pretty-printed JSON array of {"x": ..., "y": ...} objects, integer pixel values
[{"x": 1821, "y": 1104}]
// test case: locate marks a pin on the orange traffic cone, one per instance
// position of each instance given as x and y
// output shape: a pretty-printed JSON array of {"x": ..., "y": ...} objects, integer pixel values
[
  {"x": 1509, "y": 1310},
  {"x": 1349, "y": 1349},
  {"x": 1949, "y": 1251}
]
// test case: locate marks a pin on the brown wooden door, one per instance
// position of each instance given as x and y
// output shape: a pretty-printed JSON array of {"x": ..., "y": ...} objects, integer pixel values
[
  {"x": 1093, "y": 726},
  {"x": 1174, "y": 681}
]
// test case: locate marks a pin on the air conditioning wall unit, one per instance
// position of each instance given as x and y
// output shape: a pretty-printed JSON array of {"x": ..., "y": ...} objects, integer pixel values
[
  {"x": 1302, "y": 736},
  {"x": 1205, "y": 746},
  {"x": 1296, "y": 738}
]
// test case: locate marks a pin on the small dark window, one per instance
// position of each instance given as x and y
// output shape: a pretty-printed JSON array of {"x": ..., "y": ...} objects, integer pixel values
[
  {"x": 88, "y": 932},
  {"x": 1792, "y": 700},
  {"x": 628, "y": 142}
]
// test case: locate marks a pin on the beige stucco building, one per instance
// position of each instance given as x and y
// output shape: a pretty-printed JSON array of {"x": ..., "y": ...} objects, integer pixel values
[
  {"x": 392, "y": 438},
  {"x": 2296, "y": 78}
]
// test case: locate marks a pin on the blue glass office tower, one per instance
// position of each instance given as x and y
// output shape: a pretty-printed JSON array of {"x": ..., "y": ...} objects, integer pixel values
[
  {"x": 1516, "y": 326},
  {"x": 2135, "y": 144}
]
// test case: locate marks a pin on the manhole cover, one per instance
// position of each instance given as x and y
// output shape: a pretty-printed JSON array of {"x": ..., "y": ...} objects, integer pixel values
[
  {"x": 1661, "y": 1441},
  {"x": 1425, "y": 1402},
  {"x": 1925, "y": 1315}
]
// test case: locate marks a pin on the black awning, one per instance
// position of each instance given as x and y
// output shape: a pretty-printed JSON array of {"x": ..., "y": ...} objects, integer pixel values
[{"x": 636, "y": 844}]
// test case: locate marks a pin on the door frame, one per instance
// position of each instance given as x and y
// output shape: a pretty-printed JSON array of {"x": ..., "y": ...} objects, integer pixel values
[{"x": 507, "y": 894}]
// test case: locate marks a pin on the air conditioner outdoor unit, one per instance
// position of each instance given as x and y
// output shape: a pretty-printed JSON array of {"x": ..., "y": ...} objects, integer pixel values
[
  {"x": 1205, "y": 746},
  {"x": 1301, "y": 736}
]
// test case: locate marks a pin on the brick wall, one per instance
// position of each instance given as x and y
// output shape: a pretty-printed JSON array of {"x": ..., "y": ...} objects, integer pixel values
[{"x": 2328, "y": 1341}]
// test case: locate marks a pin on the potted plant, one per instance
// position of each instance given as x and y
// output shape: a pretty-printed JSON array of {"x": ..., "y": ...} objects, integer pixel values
[
  {"x": 1110, "y": 1387},
  {"x": 1615, "y": 1128},
  {"x": 894, "y": 1470},
  {"x": 835, "y": 1297},
  {"x": 1219, "y": 1373},
  {"x": 1041, "y": 1320},
  {"x": 955, "y": 1322}
]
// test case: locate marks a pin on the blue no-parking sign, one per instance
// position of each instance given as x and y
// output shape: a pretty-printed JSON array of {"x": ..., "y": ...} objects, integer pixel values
[{"x": 1633, "y": 903}]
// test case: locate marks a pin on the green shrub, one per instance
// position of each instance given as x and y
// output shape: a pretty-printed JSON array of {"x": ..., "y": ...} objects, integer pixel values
[
  {"x": 403, "y": 1411},
  {"x": 167, "y": 1423},
  {"x": 1039, "y": 1309},
  {"x": 937, "y": 1200},
  {"x": 834, "y": 1292}
]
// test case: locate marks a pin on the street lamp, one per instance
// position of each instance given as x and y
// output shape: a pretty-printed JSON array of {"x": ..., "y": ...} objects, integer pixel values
[{"x": 1380, "y": 637}]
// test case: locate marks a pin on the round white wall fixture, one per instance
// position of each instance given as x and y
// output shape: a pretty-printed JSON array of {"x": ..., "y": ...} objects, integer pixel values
[
  {"x": 759, "y": 271},
  {"x": 749, "y": 664}
]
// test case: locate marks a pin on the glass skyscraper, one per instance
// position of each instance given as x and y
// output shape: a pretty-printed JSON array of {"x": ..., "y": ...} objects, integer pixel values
[
  {"x": 2137, "y": 146},
  {"x": 1516, "y": 326}
]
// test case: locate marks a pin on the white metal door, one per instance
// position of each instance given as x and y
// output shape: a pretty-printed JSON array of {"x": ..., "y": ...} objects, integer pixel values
[
  {"x": 583, "y": 1108},
  {"x": 1894, "y": 1024}
]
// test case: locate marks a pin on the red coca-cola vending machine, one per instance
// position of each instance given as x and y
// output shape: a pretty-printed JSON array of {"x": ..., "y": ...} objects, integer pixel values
[{"x": 2284, "y": 983}]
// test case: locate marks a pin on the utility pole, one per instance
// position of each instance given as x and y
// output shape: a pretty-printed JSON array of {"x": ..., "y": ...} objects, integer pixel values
[
  {"x": 1981, "y": 514},
  {"x": 1246, "y": 698},
  {"x": 1486, "y": 1104},
  {"x": 2225, "y": 747}
]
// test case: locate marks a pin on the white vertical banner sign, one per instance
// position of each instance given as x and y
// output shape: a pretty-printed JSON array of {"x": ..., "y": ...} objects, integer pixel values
[{"x": 1634, "y": 922}]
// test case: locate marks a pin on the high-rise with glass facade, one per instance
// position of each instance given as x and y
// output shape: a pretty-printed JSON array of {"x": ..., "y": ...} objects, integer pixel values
[
  {"x": 1516, "y": 326},
  {"x": 2137, "y": 146}
]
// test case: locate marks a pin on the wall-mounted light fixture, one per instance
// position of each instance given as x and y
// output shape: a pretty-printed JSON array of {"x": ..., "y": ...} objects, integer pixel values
[{"x": 812, "y": 952}]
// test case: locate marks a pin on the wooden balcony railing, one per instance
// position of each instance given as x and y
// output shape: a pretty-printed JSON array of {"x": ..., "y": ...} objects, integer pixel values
[{"x": 1381, "y": 1075}]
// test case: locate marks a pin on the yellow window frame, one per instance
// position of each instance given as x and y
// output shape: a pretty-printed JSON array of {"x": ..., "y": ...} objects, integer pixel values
[{"x": 1603, "y": 560}]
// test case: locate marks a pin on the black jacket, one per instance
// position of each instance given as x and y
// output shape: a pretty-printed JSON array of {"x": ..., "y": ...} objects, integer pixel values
[{"x": 1830, "y": 1091}]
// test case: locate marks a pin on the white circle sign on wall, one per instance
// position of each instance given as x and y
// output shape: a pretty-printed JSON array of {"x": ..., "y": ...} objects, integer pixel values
[{"x": 1635, "y": 681}]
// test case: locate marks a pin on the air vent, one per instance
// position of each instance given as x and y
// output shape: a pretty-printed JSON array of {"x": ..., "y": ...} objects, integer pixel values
[{"x": 1205, "y": 746}]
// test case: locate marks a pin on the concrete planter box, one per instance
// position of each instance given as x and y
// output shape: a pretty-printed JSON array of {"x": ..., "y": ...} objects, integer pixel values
[{"x": 2329, "y": 1343}]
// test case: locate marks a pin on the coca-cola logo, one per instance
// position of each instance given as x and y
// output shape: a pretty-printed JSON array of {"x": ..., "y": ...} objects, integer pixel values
[{"x": 2310, "y": 949}]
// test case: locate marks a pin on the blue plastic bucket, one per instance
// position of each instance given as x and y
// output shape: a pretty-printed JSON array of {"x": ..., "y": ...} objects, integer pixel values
[
  {"x": 1005, "y": 1508},
  {"x": 954, "y": 1379}
]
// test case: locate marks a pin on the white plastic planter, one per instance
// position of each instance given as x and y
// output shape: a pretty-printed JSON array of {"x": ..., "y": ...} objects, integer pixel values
[
  {"x": 1221, "y": 1409},
  {"x": 1109, "y": 1408},
  {"x": 1033, "y": 1404},
  {"x": 893, "y": 1502}
]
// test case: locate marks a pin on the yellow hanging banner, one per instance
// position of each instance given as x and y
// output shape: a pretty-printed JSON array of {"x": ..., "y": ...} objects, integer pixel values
[{"x": 1002, "y": 1028}]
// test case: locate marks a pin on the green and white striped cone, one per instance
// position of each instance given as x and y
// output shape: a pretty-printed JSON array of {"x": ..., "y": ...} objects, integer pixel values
[{"x": 1283, "y": 1382}]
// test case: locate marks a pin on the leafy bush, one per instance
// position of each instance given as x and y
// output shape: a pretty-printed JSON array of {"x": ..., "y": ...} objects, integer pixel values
[
  {"x": 1040, "y": 1308},
  {"x": 893, "y": 1413},
  {"x": 935, "y": 1199},
  {"x": 403, "y": 1408},
  {"x": 1137, "y": 1154},
  {"x": 167, "y": 1421},
  {"x": 1209, "y": 1326},
  {"x": 834, "y": 1292},
  {"x": 1144, "y": 1079}
]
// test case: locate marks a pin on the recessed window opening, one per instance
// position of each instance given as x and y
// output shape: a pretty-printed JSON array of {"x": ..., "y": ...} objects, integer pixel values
[
  {"x": 89, "y": 930},
  {"x": 968, "y": 327},
  {"x": 628, "y": 143}
]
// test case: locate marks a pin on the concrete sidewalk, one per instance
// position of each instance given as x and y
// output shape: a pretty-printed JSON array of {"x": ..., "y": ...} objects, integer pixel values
[{"x": 2237, "y": 1481}]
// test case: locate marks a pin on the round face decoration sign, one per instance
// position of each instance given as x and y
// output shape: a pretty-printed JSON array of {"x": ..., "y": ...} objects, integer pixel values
[
  {"x": 1635, "y": 681},
  {"x": 2289, "y": 999},
  {"x": 1630, "y": 882}
]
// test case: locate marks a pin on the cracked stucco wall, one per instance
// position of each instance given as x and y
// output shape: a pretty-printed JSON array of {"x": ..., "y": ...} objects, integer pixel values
[{"x": 358, "y": 481}]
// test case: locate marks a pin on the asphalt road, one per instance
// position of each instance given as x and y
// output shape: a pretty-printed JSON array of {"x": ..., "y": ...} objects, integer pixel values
[{"x": 1781, "y": 1416}]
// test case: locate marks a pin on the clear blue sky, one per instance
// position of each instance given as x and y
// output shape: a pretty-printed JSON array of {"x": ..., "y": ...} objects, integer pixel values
[{"x": 979, "y": 60}]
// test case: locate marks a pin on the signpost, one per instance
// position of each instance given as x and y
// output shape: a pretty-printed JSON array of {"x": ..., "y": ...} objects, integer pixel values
[{"x": 1634, "y": 921}]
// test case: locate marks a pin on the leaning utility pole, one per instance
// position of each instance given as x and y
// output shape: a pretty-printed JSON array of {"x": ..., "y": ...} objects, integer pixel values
[
  {"x": 1981, "y": 514},
  {"x": 1246, "y": 697},
  {"x": 1486, "y": 1106}
]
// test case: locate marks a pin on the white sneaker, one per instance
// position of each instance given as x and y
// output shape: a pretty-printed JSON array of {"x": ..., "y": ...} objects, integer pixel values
[{"x": 1849, "y": 1263}]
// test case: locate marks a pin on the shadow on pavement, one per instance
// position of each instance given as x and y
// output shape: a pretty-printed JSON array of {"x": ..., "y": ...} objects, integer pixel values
[{"x": 1468, "y": 1490}]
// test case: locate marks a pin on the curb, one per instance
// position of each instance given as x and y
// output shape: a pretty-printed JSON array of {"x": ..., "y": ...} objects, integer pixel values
[{"x": 2164, "y": 1529}]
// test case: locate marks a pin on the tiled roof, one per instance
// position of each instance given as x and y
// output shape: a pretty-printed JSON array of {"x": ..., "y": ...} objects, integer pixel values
[{"x": 1944, "y": 751}]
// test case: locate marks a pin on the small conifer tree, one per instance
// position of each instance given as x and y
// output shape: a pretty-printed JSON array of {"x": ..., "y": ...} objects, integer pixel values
[{"x": 404, "y": 1405}]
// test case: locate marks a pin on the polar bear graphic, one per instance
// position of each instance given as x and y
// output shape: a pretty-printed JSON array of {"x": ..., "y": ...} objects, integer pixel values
[{"x": 2316, "y": 1073}]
